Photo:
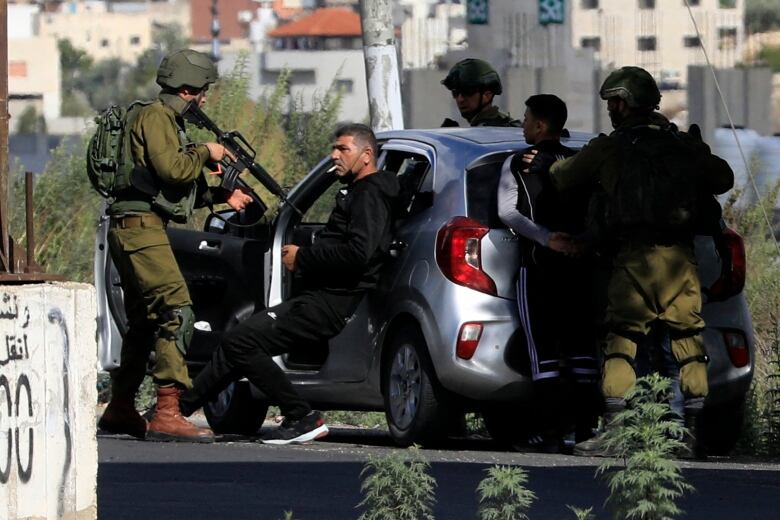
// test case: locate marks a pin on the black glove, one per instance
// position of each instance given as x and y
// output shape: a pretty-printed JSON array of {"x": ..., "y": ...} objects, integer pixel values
[{"x": 449, "y": 122}]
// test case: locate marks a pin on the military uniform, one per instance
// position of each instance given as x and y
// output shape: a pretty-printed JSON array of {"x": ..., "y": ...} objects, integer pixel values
[
  {"x": 165, "y": 184},
  {"x": 492, "y": 116},
  {"x": 157, "y": 301},
  {"x": 652, "y": 278}
]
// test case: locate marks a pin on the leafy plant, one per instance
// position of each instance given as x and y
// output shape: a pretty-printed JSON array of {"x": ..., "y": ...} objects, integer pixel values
[
  {"x": 397, "y": 487},
  {"x": 502, "y": 494},
  {"x": 582, "y": 514},
  {"x": 649, "y": 481}
]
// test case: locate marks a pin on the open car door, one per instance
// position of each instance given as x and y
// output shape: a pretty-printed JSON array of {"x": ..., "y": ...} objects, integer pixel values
[{"x": 224, "y": 269}]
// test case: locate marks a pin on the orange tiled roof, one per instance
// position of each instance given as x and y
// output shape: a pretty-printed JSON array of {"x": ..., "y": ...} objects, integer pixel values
[{"x": 328, "y": 21}]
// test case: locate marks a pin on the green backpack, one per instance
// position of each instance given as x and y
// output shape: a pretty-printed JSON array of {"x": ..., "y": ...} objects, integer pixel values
[
  {"x": 109, "y": 160},
  {"x": 658, "y": 190}
]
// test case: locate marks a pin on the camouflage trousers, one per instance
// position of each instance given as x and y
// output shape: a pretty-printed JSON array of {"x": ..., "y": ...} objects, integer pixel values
[
  {"x": 654, "y": 283},
  {"x": 155, "y": 294}
]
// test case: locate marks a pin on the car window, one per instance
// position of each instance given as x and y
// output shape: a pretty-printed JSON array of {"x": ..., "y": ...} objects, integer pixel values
[
  {"x": 319, "y": 212},
  {"x": 411, "y": 170},
  {"x": 482, "y": 188}
]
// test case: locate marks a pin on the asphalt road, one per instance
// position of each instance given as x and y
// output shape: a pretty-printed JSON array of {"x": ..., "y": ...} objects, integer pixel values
[{"x": 239, "y": 479}]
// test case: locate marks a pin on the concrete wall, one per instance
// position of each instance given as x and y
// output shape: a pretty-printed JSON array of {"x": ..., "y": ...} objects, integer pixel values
[
  {"x": 48, "y": 450},
  {"x": 747, "y": 92},
  {"x": 427, "y": 102}
]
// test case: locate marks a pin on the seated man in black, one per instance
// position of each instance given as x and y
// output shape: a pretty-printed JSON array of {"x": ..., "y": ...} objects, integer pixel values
[{"x": 337, "y": 270}]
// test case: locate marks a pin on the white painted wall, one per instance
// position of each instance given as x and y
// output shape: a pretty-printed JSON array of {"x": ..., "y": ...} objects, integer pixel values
[{"x": 48, "y": 449}]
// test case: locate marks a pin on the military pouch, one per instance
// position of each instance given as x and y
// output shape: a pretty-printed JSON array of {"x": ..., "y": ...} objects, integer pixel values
[{"x": 178, "y": 210}]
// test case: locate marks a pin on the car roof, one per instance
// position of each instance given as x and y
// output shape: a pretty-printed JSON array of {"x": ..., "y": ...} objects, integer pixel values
[{"x": 477, "y": 135}]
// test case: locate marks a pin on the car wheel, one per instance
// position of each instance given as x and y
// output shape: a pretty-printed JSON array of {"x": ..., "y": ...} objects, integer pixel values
[
  {"x": 236, "y": 411},
  {"x": 505, "y": 425},
  {"x": 721, "y": 427},
  {"x": 415, "y": 407}
]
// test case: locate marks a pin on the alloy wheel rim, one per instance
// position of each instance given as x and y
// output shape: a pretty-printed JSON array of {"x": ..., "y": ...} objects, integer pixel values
[{"x": 405, "y": 386}]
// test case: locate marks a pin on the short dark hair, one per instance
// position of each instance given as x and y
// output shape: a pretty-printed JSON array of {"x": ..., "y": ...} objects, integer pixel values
[
  {"x": 361, "y": 133},
  {"x": 549, "y": 108}
]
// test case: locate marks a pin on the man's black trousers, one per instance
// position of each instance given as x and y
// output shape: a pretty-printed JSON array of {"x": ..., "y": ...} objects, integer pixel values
[{"x": 298, "y": 324}]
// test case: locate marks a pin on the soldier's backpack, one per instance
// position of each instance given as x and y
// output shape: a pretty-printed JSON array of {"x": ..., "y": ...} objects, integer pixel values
[
  {"x": 109, "y": 160},
  {"x": 658, "y": 190}
]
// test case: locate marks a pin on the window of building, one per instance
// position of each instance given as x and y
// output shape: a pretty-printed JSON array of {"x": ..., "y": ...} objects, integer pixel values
[
  {"x": 104, "y": 42},
  {"x": 691, "y": 41},
  {"x": 727, "y": 4},
  {"x": 303, "y": 77},
  {"x": 646, "y": 43},
  {"x": 17, "y": 69},
  {"x": 727, "y": 37},
  {"x": 589, "y": 4},
  {"x": 647, "y": 4},
  {"x": 345, "y": 85},
  {"x": 135, "y": 40},
  {"x": 591, "y": 42},
  {"x": 692, "y": 3}
]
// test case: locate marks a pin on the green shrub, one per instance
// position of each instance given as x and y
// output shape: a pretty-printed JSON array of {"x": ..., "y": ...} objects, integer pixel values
[
  {"x": 649, "y": 481},
  {"x": 503, "y": 495},
  {"x": 397, "y": 487},
  {"x": 761, "y": 433}
]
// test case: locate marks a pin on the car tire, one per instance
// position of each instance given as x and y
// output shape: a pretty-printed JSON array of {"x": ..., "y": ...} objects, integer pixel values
[
  {"x": 721, "y": 427},
  {"x": 416, "y": 407},
  {"x": 236, "y": 411},
  {"x": 505, "y": 424}
]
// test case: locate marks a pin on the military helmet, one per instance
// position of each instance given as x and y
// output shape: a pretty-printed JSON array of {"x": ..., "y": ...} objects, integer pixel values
[
  {"x": 472, "y": 73},
  {"x": 186, "y": 67},
  {"x": 633, "y": 84}
]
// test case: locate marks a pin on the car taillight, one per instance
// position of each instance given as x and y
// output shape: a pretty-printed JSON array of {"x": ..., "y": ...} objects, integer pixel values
[
  {"x": 732, "y": 276},
  {"x": 736, "y": 344},
  {"x": 468, "y": 339},
  {"x": 458, "y": 253}
]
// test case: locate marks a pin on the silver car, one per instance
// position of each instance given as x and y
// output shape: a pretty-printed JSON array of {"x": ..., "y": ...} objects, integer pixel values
[{"x": 439, "y": 335}]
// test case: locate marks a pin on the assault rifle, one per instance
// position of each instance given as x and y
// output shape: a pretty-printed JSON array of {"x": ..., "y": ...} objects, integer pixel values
[{"x": 235, "y": 143}]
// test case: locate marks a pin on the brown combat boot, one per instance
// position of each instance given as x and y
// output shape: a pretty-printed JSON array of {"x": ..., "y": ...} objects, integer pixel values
[
  {"x": 169, "y": 424},
  {"x": 120, "y": 416}
]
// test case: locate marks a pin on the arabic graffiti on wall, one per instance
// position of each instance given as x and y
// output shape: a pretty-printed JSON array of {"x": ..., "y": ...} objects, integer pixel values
[{"x": 15, "y": 393}]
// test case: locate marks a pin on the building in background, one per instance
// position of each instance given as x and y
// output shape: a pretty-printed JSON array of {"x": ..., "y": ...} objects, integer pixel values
[
  {"x": 321, "y": 49},
  {"x": 429, "y": 29},
  {"x": 659, "y": 35},
  {"x": 112, "y": 29}
]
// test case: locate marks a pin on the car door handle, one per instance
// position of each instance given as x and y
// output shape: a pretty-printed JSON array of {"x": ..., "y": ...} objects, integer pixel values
[
  {"x": 396, "y": 246},
  {"x": 209, "y": 246}
]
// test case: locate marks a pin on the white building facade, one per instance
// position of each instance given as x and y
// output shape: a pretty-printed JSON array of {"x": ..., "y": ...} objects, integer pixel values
[{"x": 659, "y": 35}]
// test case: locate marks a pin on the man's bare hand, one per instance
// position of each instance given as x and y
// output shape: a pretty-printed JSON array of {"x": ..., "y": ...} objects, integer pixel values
[
  {"x": 289, "y": 253},
  {"x": 217, "y": 152},
  {"x": 528, "y": 158},
  {"x": 239, "y": 199},
  {"x": 566, "y": 244}
]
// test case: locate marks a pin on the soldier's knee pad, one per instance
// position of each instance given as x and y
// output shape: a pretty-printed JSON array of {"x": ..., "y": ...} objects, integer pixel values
[
  {"x": 619, "y": 375},
  {"x": 179, "y": 326},
  {"x": 692, "y": 361}
]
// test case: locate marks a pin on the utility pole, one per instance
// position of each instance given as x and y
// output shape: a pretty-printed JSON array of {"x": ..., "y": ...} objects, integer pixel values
[
  {"x": 5, "y": 265},
  {"x": 382, "y": 75},
  {"x": 215, "y": 52}
]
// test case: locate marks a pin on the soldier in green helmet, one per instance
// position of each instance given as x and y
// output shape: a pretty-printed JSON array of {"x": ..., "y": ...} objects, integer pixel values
[
  {"x": 473, "y": 84},
  {"x": 648, "y": 178},
  {"x": 167, "y": 183}
]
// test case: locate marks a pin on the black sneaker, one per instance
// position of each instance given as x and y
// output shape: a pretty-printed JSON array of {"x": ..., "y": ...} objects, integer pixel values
[{"x": 309, "y": 428}]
